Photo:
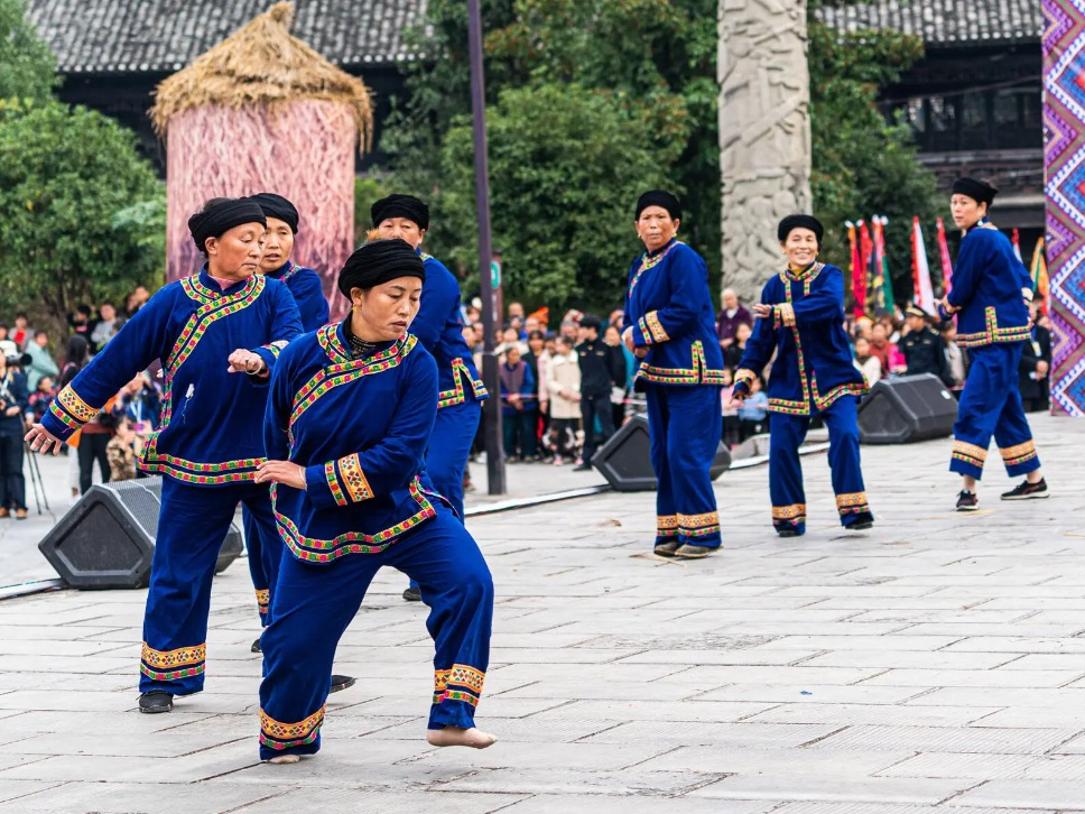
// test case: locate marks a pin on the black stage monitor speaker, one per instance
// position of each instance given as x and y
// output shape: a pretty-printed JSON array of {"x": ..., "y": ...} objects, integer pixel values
[
  {"x": 910, "y": 408},
  {"x": 626, "y": 463},
  {"x": 106, "y": 540}
]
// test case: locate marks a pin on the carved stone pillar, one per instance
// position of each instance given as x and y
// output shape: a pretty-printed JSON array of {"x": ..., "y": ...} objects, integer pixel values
[{"x": 764, "y": 133}]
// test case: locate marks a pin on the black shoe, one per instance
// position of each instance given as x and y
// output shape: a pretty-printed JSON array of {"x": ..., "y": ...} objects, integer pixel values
[
  {"x": 412, "y": 595},
  {"x": 967, "y": 501},
  {"x": 340, "y": 683},
  {"x": 861, "y": 526},
  {"x": 584, "y": 467},
  {"x": 666, "y": 549},
  {"x": 256, "y": 648},
  {"x": 789, "y": 532},
  {"x": 1028, "y": 491},
  {"x": 155, "y": 701}
]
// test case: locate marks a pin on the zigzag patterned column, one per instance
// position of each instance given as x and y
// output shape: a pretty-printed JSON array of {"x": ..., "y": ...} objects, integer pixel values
[{"x": 1064, "y": 164}]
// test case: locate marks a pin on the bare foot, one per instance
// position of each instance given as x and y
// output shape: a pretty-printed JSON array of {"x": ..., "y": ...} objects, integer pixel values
[
  {"x": 283, "y": 759},
  {"x": 457, "y": 736}
]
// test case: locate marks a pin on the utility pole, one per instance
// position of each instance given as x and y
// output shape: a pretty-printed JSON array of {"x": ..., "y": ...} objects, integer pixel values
[{"x": 491, "y": 411}]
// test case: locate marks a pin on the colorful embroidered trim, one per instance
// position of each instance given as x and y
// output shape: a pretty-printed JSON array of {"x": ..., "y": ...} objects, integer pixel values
[
  {"x": 992, "y": 333},
  {"x": 698, "y": 525},
  {"x": 350, "y": 467},
  {"x": 700, "y": 373},
  {"x": 652, "y": 329},
  {"x": 171, "y": 665},
  {"x": 969, "y": 453},
  {"x": 313, "y": 549},
  {"x": 1018, "y": 454},
  {"x": 847, "y": 389},
  {"x": 852, "y": 503},
  {"x": 458, "y": 393},
  {"x": 460, "y": 683},
  {"x": 667, "y": 525},
  {"x": 647, "y": 262},
  {"x": 339, "y": 373},
  {"x": 263, "y": 599},
  {"x": 333, "y": 484},
  {"x": 328, "y": 339},
  {"x": 784, "y": 314},
  {"x": 203, "y": 474},
  {"x": 278, "y": 735},
  {"x": 275, "y": 347},
  {"x": 793, "y": 513},
  {"x": 79, "y": 409},
  {"x": 58, "y": 413}
]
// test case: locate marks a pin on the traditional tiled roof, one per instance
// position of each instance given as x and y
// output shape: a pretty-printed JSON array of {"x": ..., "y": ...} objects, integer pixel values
[
  {"x": 945, "y": 22},
  {"x": 125, "y": 36}
]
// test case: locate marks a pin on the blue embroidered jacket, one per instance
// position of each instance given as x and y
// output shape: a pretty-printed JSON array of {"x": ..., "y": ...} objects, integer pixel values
[
  {"x": 308, "y": 291},
  {"x": 360, "y": 428},
  {"x": 991, "y": 288},
  {"x": 813, "y": 365},
  {"x": 670, "y": 310},
  {"x": 439, "y": 326},
  {"x": 210, "y": 434}
]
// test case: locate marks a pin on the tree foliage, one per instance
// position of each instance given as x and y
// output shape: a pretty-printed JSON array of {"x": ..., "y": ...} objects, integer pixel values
[
  {"x": 27, "y": 66},
  {"x": 82, "y": 216},
  {"x": 862, "y": 163}
]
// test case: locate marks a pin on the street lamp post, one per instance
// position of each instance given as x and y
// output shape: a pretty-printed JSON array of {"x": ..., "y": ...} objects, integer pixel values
[{"x": 495, "y": 456}]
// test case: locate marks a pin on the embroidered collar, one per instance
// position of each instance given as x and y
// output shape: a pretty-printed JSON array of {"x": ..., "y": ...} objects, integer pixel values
[
  {"x": 208, "y": 287},
  {"x": 811, "y": 271},
  {"x": 283, "y": 272},
  {"x": 422, "y": 254},
  {"x": 338, "y": 344},
  {"x": 662, "y": 249},
  {"x": 652, "y": 260}
]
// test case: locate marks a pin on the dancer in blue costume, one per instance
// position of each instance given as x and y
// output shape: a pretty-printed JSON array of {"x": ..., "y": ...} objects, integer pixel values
[
  {"x": 349, "y": 419},
  {"x": 990, "y": 295},
  {"x": 206, "y": 329},
  {"x": 671, "y": 327},
  {"x": 439, "y": 327},
  {"x": 801, "y": 318}
]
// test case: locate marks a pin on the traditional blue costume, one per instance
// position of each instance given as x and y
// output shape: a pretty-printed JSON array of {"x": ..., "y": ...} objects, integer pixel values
[
  {"x": 439, "y": 327},
  {"x": 207, "y": 449},
  {"x": 990, "y": 292},
  {"x": 307, "y": 289},
  {"x": 669, "y": 308},
  {"x": 366, "y": 504},
  {"x": 812, "y": 374}
]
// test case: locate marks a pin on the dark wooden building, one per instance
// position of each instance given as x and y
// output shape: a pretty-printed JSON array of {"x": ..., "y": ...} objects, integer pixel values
[{"x": 975, "y": 100}]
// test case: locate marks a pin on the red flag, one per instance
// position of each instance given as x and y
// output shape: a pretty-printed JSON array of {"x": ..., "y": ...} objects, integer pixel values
[
  {"x": 858, "y": 273},
  {"x": 943, "y": 252},
  {"x": 1017, "y": 244},
  {"x": 923, "y": 293},
  {"x": 866, "y": 253}
]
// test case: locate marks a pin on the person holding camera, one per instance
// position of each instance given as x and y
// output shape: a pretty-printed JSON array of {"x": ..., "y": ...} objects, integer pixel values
[{"x": 13, "y": 403}]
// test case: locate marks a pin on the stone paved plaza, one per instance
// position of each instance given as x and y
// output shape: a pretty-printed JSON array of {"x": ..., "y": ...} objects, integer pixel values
[{"x": 935, "y": 664}]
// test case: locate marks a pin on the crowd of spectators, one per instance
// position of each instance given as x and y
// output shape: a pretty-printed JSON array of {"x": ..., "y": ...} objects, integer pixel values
[{"x": 35, "y": 364}]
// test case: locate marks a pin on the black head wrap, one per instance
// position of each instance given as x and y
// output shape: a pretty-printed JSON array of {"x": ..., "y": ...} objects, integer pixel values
[
  {"x": 220, "y": 215},
  {"x": 979, "y": 191},
  {"x": 276, "y": 206},
  {"x": 378, "y": 262},
  {"x": 659, "y": 197},
  {"x": 799, "y": 222},
  {"x": 400, "y": 206}
]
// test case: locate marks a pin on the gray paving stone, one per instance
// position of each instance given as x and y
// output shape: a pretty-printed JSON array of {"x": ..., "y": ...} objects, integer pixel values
[
  {"x": 139, "y": 798},
  {"x": 985, "y": 740},
  {"x": 353, "y": 801},
  {"x": 550, "y": 803},
  {"x": 1065, "y": 796},
  {"x": 783, "y": 785}
]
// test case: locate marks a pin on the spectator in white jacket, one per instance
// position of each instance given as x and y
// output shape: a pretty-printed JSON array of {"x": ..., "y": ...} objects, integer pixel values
[{"x": 563, "y": 382}]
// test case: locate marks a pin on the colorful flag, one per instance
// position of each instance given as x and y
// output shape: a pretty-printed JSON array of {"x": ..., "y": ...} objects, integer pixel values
[
  {"x": 943, "y": 252},
  {"x": 882, "y": 277},
  {"x": 858, "y": 273},
  {"x": 1041, "y": 284},
  {"x": 1016, "y": 240},
  {"x": 921, "y": 272},
  {"x": 866, "y": 257}
]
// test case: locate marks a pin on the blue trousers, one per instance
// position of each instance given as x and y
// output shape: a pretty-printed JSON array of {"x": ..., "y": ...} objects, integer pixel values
[
  {"x": 786, "y": 434},
  {"x": 991, "y": 405},
  {"x": 192, "y": 523},
  {"x": 314, "y": 603},
  {"x": 684, "y": 425},
  {"x": 264, "y": 555},
  {"x": 449, "y": 448}
]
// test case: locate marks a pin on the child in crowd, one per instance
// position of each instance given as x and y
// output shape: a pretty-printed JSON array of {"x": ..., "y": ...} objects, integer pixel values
[
  {"x": 40, "y": 398},
  {"x": 754, "y": 411},
  {"x": 563, "y": 384},
  {"x": 122, "y": 449}
]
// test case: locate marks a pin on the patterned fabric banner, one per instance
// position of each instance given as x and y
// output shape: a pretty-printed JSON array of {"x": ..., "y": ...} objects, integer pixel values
[{"x": 1064, "y": 171}]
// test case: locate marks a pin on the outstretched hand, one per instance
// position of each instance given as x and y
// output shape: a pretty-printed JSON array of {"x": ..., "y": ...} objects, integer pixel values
[
  {"x": 41, "y": 440},
  {"x": 287, "y": 473}
]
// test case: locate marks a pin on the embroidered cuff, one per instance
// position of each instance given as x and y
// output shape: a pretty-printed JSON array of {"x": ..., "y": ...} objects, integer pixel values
[
  {"x": 783, "y": 314},
  {"x": 67, "y": 413}
]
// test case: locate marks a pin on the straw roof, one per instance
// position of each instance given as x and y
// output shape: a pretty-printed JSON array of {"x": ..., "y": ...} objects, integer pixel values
[{"x": 261, "y": 64}]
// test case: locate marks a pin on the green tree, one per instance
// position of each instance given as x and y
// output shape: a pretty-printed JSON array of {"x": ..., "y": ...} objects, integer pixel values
[
  {"x": 82, "y": 215},
  {"x": 862, "y": 163},
  {"x": 27, "y": 66},
  {"x": 565, "y": 163}
]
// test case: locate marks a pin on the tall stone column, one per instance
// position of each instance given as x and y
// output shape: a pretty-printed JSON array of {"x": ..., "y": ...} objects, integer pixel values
[{"x": 764, "y": 132}]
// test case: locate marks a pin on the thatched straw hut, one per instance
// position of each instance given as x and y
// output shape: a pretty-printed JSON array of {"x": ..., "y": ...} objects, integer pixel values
[{"x": 264, "y": 111}]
